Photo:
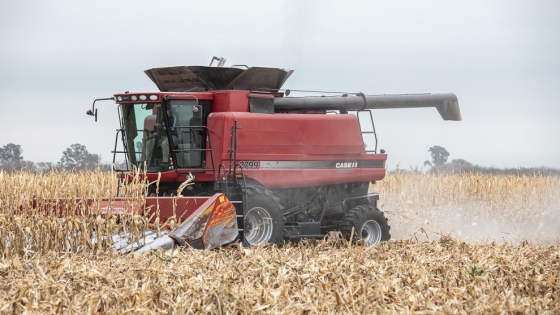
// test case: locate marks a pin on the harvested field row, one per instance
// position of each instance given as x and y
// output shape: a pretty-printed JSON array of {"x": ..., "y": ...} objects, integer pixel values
[{"x": 397, "y": 277}]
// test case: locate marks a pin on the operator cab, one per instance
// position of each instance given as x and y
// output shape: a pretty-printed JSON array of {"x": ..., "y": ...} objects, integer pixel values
[
  {"x": 164, "y": 136},
  {"x": 166, "y": 130}
]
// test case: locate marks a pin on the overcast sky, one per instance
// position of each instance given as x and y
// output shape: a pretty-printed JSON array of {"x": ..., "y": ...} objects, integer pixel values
[{"x": 501, "y": 59}]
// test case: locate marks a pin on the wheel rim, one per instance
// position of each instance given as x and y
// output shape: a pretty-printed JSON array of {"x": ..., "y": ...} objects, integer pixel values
[
  {"x": 371, "y": 232},
  {"x": 258, "y": 226}
]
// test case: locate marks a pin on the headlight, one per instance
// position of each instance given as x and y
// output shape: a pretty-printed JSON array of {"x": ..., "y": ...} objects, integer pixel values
[
  {"x": 153, "y": 97},
  {"x": 119, "y": 98},
  {"x": 134, "y": 97},
  {"x": 142, "y": 97}
]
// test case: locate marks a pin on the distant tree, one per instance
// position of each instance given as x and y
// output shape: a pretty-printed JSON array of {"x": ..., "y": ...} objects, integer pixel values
[
  {"x": 10, "y": 157},
  {"x": 439, "y": 155},
  {"x": 78, "y": 157},
  {"x": 10, "y": 153},
  {"x": 28, "y": 166},
  {"x": 462, "y": 164}
]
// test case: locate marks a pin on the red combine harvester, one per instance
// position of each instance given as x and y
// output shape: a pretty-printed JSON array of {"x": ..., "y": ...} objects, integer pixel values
[{"x": 290, "y": 167}]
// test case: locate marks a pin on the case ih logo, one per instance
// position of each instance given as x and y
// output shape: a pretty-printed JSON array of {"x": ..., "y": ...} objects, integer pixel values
[{"x": 346, "y": 164}]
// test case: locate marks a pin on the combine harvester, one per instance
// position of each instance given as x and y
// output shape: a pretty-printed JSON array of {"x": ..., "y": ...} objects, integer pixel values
[{"x": 262, "y": 167}]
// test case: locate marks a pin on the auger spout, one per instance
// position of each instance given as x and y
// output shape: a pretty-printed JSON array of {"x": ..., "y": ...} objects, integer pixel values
[{"x": 446, "y": 103}]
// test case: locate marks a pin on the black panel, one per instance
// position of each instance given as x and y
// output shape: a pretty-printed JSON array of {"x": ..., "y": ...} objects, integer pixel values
[{"x": 261, "y": 105}]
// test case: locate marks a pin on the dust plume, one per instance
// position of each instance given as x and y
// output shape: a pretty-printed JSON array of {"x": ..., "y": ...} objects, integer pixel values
[{"x": 472, "y": 208}]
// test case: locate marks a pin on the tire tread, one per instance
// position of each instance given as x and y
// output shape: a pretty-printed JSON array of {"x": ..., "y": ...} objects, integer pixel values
[
  {"x": 255, "y": 191},
  {"x": 356, "y": 215}
]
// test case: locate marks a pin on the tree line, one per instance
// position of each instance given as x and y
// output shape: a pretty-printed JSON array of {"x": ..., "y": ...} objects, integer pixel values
[
  {"x": 439, "y": 165},
  {"x": 75, "y": 157}
]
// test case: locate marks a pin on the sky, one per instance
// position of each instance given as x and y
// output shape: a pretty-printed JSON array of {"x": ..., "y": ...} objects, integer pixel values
[{"x": 501, "y": 59}]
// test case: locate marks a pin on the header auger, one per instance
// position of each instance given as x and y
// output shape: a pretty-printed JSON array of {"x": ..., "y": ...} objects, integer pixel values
[{"x": 265, "y": 167}]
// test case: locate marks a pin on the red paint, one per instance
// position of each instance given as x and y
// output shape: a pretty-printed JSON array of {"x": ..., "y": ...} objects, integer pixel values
[
  {"x": 295, "y": 137},
  {"x": 277, "y": 137},
  {"x": 164, "y": 207}
]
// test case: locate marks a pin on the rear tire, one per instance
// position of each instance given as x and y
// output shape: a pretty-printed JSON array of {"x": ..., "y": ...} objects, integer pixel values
[
  {"x": 263, "y": 221},
  {"x": 369, "y": 224}
]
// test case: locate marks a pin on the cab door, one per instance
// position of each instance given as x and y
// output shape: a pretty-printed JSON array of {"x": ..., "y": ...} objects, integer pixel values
[{"x": 189, "y": 133}]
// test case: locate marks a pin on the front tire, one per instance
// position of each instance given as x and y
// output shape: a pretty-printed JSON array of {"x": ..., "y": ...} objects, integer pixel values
[
  {"x": 369, "y": 224},
  {"x": 263, "y": 221}
]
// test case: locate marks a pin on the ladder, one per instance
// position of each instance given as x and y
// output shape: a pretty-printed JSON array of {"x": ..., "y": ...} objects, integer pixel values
[{"x": 367, "y": 127}]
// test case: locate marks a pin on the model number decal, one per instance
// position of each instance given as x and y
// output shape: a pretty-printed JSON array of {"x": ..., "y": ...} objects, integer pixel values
[{"x": 251, "y": 165}]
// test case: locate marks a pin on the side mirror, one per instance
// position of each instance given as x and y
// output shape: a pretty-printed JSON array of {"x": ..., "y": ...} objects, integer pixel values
[
  {"x": 92, "y": 113},
  {"x": 93, "y": 110}
]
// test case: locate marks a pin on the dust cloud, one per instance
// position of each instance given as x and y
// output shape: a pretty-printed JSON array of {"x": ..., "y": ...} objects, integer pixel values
[
  {"x": 474, "y": 225},
  {"x": 533, "y": 217}
]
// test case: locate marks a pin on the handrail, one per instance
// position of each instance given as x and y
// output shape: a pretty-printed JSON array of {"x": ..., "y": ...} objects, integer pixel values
[{"x": 368, "y": 132}]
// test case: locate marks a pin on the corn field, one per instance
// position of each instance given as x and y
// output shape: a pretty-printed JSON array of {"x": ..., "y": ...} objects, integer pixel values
[
  {"x": 462, "y": 244},
  {"x": 27, "y": 230}
]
